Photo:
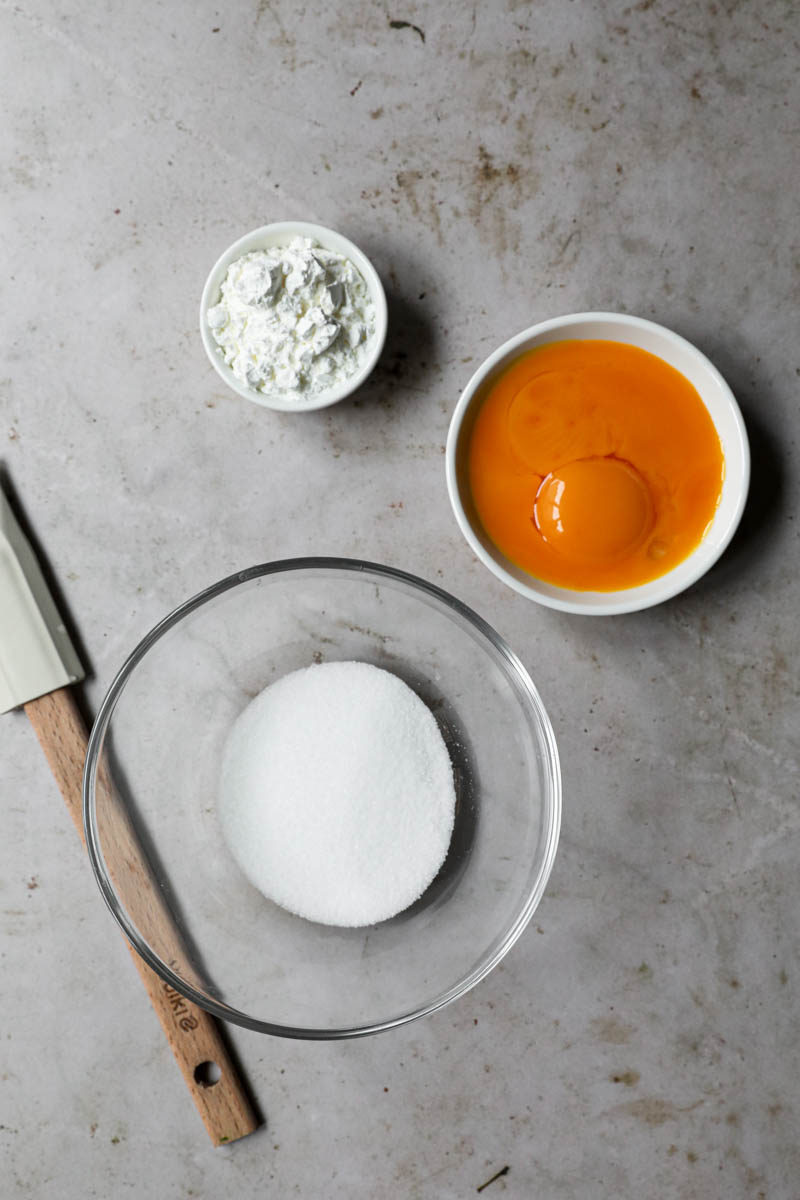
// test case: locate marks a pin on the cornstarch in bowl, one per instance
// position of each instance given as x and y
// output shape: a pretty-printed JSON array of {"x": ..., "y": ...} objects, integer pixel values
[
  {"x": 337, "y": 798},
  {"x": 293, "y": 321}
]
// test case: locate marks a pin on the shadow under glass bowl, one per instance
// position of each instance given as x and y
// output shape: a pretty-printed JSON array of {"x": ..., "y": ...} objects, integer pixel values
[{"x": 151, "y": 782}]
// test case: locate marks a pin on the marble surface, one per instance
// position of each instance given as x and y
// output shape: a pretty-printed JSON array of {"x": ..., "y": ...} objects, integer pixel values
[{"x": 500, "y": 163}]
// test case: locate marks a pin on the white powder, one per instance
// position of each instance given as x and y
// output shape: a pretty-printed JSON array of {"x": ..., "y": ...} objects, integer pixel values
[
  {"x": 293, "y": 320},
  {"x": 337, "y": 797}
]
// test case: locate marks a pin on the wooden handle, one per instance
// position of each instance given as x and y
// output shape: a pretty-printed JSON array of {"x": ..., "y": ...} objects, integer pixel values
[{"x": 192, "y": 1033}]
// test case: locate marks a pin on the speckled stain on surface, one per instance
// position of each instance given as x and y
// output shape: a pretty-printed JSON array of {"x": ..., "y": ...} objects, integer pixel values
[{"x": 518, "y": 161}]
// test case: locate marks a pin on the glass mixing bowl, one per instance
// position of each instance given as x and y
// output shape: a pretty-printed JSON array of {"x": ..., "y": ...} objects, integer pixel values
[{"x": 150, "y": 790}]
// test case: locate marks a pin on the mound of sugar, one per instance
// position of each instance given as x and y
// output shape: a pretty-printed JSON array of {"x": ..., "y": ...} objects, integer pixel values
[{"x": 337, "y": 797}]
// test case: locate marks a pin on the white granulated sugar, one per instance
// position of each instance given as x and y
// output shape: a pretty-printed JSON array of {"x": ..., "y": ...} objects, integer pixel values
[
  {"x": 337, "y": 797},
  {"x": 293, "y": 321}
]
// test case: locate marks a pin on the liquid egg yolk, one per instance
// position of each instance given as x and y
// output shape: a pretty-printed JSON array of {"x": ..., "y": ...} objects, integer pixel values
[
  {"x": 594, "y": 510},
  {"x": 593, "y": 465}
]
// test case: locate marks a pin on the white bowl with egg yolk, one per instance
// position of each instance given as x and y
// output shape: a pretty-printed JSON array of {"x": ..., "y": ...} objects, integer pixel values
[{"x": 719, "y": 402}]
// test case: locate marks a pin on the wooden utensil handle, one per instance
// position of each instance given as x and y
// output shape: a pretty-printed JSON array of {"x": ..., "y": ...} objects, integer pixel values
[{"x": 192, "y": 1033}]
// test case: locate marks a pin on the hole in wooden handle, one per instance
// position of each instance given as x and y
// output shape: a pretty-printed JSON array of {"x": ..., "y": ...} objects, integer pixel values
[{"x": 207, "y": 1074}]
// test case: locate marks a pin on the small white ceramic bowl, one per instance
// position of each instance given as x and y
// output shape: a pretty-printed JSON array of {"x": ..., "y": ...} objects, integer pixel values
[
  {"x": 716, "y": 396},
  {"x": 279, "y": 234}
]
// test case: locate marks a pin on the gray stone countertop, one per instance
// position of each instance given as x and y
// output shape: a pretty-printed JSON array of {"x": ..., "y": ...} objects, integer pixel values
[{"x": 500, "y": 163}]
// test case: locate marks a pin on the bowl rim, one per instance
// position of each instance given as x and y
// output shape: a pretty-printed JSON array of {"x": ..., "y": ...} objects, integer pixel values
[
  {"x": 247, "y": 243},
  {"x": 551, "y": 798},
  {"x": 684, "y": 574}
]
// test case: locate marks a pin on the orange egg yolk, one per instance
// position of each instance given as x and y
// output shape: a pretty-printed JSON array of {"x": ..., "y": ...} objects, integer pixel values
[
  {"x": 593, "y": 465},
  {"x": 595, "y": 509}
]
